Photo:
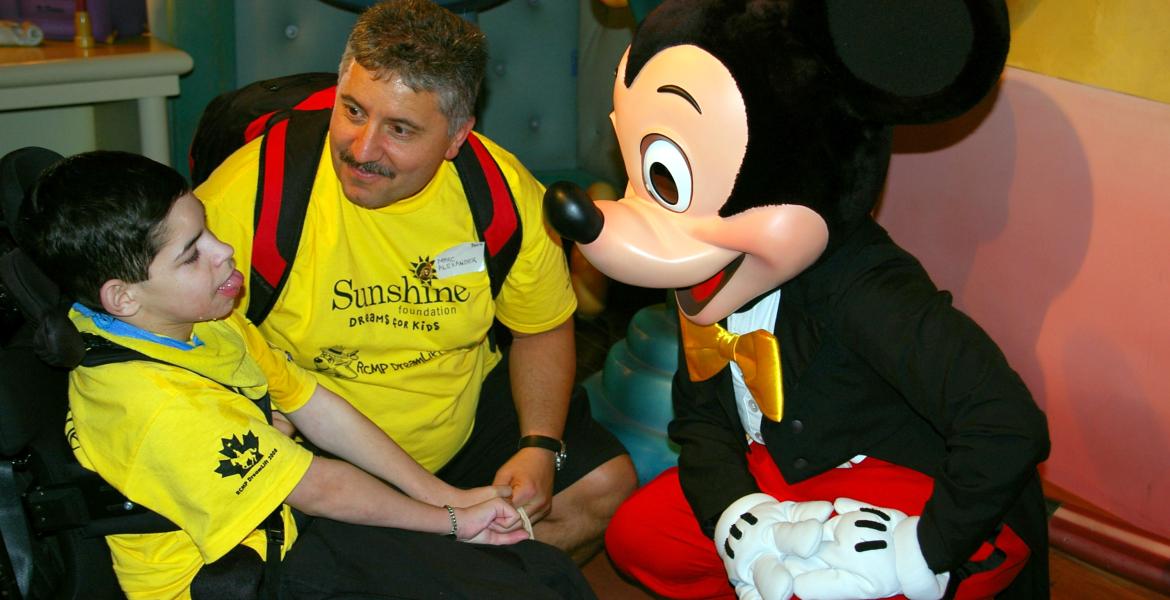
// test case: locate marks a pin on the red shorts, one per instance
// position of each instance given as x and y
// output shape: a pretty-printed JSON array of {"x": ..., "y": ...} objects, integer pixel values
[{"x": 655, "y": 538}]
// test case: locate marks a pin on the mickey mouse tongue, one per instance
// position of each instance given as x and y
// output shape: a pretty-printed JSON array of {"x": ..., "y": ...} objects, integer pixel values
[{"x": 693, "y": 299}]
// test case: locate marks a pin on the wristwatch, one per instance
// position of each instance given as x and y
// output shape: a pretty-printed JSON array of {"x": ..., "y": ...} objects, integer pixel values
[{"x": 543, "y": 441}]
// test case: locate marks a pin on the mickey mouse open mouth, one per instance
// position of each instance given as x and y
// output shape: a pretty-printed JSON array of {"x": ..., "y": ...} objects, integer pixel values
[{"x": 692, "y": 300}]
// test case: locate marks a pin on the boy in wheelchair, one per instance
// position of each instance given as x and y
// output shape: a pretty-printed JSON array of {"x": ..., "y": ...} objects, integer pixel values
[{"x": 183, "y": 426}]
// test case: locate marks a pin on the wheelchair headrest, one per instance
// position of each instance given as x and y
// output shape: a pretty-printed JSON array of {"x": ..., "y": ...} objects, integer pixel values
[
  {"x": 23, "y": 284},
  {"x": 19, "y": 170}
]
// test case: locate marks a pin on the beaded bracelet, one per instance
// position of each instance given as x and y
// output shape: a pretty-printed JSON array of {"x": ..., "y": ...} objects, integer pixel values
[{"x": 454, "y": 523}]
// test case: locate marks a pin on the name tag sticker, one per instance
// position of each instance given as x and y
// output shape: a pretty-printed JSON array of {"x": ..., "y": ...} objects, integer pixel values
[{"x": 457, "y": 260}]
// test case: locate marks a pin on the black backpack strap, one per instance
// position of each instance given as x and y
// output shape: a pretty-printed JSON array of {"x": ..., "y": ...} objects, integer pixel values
[
  {"x": 289, "y": 155},
  {"x": 236, "y": 117},
  {"x": 84, "y": 501},
  {"x": 493, "y": 208},
  {"x": 288, "y": 164},
  {"x": 16, "y": 562},
  {"x": 100, "y": 351},
  {"x": 274, "y": 532}
]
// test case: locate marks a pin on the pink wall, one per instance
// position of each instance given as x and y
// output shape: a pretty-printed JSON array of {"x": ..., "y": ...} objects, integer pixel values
[{"x": 1047, "y": 213}]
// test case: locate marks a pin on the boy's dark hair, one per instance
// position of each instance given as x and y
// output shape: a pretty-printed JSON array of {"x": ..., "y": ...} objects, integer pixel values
[{"x": 98, "y": 216}]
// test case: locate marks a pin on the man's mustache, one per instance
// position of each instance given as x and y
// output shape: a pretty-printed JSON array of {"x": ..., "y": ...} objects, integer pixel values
[{"x": 366, "y": 167}]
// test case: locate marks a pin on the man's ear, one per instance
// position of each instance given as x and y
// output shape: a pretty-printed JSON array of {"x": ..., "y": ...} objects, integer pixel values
[
  {"x": 118, "y": 298},
  {"x": 459, "y": 137}
]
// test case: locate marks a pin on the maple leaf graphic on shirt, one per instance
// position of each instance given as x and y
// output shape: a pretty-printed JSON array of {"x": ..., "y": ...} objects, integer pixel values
[{"x": 242, "y": 454}]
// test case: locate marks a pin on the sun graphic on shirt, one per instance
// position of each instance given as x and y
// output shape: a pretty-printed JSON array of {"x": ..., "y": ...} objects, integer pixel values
[{"x": 424, "y": 270}]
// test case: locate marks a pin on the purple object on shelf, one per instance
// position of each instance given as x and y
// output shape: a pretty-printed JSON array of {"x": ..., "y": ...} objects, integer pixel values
[
  {"x": 110, "y": 19},
  {"x": 10, "y": 10}
]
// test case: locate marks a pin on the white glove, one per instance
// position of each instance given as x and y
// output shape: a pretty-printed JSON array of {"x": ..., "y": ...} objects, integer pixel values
[
  {"x": 867, "y": 552},
  {"x": 756, "y": 532}
]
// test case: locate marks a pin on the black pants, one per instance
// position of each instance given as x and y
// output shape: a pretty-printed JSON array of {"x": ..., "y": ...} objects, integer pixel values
[
  {"x": 493, "y": 439},
  {"x": 342, "y": 561}
]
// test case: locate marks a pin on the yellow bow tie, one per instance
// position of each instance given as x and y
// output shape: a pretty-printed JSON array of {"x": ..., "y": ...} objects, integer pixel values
[{"x": 709, "y": 348}]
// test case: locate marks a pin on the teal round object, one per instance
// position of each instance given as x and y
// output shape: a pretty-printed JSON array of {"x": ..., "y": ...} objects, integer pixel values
[{"x": 653, "y": 337}]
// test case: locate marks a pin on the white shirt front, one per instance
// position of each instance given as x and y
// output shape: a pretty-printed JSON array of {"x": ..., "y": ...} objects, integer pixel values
[{"x": 761, "y": 316}]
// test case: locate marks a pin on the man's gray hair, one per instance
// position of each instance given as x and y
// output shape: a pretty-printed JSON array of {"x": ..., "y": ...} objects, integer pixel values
[{"x": 429, "y": 47}]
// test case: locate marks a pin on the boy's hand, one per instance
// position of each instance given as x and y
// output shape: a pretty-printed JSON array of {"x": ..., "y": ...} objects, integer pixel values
[
  {"x": 464, "y": 498},
  {"x": 487, "y": 523}
]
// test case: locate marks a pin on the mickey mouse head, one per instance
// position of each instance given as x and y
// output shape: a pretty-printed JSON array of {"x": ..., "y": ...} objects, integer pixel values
[{"x": 756, "y": 134}]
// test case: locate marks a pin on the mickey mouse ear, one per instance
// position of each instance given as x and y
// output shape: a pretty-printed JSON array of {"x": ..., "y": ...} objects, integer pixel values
[{"x": 918, "y": 61}]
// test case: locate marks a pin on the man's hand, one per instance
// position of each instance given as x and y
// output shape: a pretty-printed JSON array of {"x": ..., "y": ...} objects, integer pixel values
[
  {"x": 529, "y": 473},
  {"x": 867, "y": 552},
  {"x": 461, "y": 498},
  {"x": 756, "y": 532},
  {"x": 540, "y": 366}
]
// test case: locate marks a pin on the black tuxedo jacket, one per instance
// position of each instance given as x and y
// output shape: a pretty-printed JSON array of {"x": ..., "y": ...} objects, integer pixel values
[{"x": 877, "y": 361}]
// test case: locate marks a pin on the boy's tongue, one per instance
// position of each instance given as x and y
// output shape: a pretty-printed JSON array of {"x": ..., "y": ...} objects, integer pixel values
[{"x": 233, "y": 286}]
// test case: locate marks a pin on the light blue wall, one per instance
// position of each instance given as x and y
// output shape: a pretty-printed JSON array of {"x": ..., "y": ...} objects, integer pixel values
[
  {"x": 530, "y": 101},
  {"x": 282, "y": 37},
  {"x": 206, "y": 31},
  {"x": 532, "y": 104}
]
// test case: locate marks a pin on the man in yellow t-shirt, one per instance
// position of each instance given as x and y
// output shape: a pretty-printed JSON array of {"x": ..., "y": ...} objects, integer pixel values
[
  {"x": 181, "y": 429},
  {"x": 388, "y": 300}
]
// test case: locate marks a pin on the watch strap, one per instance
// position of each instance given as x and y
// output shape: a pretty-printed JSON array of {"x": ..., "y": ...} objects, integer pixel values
[{"x": 553, "y": 445}]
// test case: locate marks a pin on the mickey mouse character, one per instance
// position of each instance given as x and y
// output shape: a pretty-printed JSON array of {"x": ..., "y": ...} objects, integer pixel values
[{"x": 844, "y": 431}]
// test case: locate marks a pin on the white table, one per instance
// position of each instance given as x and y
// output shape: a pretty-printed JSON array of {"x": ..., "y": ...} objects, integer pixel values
[{"x": 143, "y": 70}]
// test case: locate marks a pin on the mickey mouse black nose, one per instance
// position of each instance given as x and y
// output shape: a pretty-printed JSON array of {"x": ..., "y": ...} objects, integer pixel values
[{"x": 571, "y": 212}]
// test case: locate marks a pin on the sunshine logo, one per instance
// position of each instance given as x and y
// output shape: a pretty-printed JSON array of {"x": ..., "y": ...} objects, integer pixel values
[{"x": 424, "y": 270}]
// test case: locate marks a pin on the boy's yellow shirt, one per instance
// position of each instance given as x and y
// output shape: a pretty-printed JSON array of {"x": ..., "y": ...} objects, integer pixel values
[{"x": 177, "y": 440}]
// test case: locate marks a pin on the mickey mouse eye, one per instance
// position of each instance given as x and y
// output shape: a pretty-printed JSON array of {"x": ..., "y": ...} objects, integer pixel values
[{"x": 666, "y": 172}]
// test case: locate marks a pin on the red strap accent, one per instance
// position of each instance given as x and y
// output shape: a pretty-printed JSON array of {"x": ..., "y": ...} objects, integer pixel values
[
  {"x": 318, "y": 100},
  {"x": 503, "y": 217},
  {"x": 266, "y": 258},
  {"x": 256, "y": 127}
]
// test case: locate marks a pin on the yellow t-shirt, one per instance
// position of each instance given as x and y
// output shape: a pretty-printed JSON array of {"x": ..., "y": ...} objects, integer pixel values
[
  {"x": 370, "y": 307},
  {"x": 179, "y": 442}
]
